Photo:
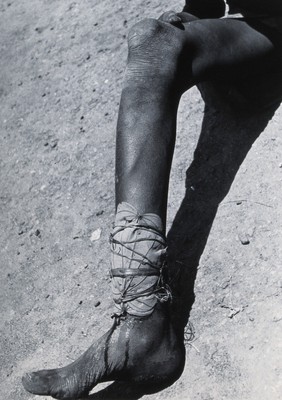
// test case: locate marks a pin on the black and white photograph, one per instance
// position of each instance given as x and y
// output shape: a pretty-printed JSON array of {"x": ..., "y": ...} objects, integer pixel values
[{"x": 141, "y": 199}]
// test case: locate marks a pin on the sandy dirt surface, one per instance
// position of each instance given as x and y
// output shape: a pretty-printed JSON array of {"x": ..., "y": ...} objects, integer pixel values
[{"x": 61, "y": 70}]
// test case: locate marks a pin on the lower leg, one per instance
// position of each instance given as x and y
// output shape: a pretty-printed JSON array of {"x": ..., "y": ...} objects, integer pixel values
[
  {"x": 147, "y": 123},
  {"x": 145, "y": 143}
]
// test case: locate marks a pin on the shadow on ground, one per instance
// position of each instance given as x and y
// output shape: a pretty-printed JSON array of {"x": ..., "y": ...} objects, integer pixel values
[
  {"x": 124, "y": 391},
  {"x": 229, "y": 129}
]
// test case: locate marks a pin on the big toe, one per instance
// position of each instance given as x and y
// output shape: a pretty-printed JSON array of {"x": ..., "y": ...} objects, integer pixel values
[{"x": 56, "y": 383}]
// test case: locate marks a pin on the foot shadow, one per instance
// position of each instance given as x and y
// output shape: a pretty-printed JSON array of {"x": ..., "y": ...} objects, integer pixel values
[
  {"x": 229, "y": 129},
  {"x": 125, "y": 391},
  {"x": 234, "y": 118}
]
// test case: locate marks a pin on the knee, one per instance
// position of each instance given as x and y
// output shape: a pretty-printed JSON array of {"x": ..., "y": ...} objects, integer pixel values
[
  {"x": 144, "y": 33},
  {"x": 154, "y": 46}
]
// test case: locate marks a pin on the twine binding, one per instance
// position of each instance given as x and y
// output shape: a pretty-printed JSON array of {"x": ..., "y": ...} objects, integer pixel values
[{"x": 138, "y": 250}]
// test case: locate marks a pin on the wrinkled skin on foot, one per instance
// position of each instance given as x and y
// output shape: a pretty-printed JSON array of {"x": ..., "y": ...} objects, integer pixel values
[{"x": 145, "y": 351}]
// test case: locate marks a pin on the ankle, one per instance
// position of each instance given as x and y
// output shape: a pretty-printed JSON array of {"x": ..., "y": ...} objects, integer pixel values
[{"x": 138, "y": 257}]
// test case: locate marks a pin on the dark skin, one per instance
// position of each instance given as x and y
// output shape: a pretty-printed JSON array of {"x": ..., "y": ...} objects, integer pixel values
[{"x": 166, "y": 57}]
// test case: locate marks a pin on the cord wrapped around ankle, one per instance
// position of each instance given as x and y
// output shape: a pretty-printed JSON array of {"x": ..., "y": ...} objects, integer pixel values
[{"x": 138, "y": 253}]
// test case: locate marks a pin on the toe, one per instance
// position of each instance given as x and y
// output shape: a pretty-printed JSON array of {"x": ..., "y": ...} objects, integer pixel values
[{"x": 60, "y": 384}]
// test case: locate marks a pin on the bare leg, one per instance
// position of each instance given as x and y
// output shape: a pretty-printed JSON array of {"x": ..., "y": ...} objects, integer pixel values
[
  {"x": 147, "y": 126},
  {"x": 163, "y": 62},
  {"x": 146, "y": 134}
]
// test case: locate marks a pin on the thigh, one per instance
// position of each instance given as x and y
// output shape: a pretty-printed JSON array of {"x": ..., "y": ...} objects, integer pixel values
[{"x": 227, "y": 48}]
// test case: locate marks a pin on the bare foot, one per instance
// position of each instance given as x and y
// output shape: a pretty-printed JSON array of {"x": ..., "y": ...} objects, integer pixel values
[{"x": 139, "y": 350}]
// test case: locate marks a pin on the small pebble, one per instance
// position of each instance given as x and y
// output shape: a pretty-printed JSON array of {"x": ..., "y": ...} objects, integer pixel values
[
  {"x": 39, "y": 29},
  {"x": 54, "y": 144},
  {"x": 37, "y": 232},
  {"x": 96, "y": 235},
  {"x": 97, "y": 304},
  {"x": 244, "y": 239}
]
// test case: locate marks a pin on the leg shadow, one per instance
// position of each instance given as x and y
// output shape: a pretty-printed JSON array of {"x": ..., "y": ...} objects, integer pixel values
[{"x": 234, "y": 117}]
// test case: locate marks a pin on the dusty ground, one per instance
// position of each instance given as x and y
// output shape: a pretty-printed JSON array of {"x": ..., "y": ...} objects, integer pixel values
[{"x": 61, "y": 71}]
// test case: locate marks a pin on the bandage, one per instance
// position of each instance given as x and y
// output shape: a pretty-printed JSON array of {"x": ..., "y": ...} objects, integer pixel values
[{"x": 138, "y": 250}]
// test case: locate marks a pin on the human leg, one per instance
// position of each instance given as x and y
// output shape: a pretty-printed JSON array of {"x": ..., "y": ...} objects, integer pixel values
[
  {"x": 224, "y": 50},
  {"x": 135, "y": 347},
  {"x": 163, "y": 62}
]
